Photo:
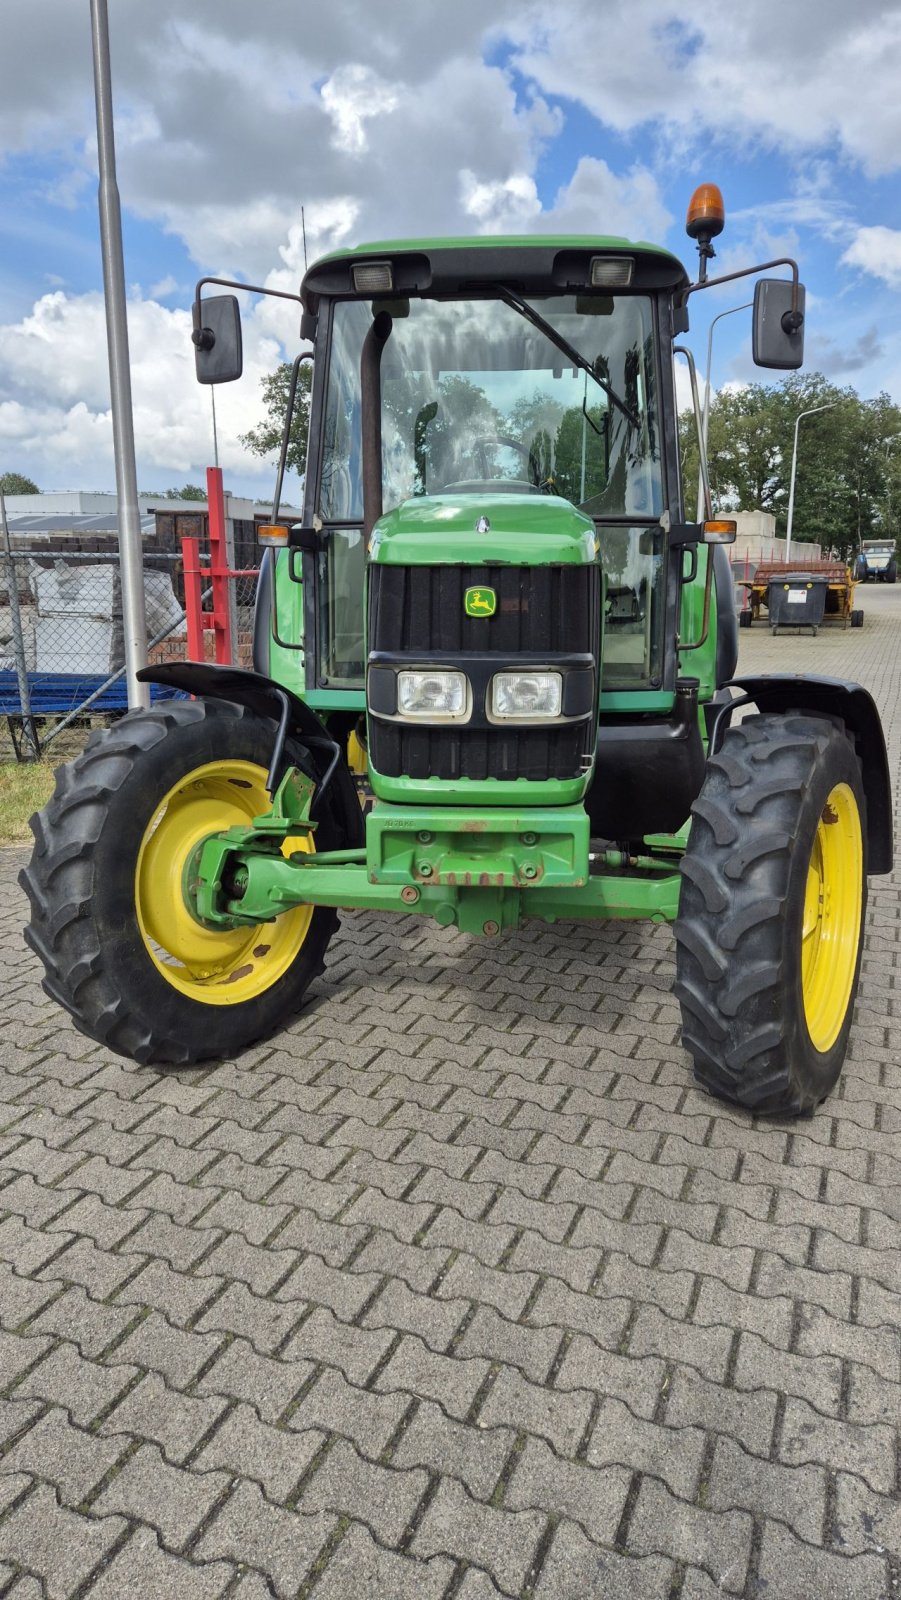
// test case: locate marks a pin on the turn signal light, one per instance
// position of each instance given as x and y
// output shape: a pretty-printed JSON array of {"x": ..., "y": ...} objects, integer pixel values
[
  {"x": 720, "y": 532},
  {"x": 273, "y": 534},
  {"x": 706, "y": 212}
]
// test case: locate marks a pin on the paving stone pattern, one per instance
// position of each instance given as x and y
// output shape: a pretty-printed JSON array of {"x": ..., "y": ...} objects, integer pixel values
[{"x": 459, "y": 1288}]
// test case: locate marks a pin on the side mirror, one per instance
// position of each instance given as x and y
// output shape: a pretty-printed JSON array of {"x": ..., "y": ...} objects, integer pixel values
[
  {"x": 218, "y": 353},
  {"x": 778, "y": 332}
]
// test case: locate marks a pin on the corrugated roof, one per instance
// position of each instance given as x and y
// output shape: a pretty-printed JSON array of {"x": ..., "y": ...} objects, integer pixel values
[{"x": 107, "y": 523}]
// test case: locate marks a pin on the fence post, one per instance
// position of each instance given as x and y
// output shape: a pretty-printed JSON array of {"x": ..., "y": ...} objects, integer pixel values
[
  {"x": 190, "y": 549},
  {"x": 220, "y": 618},
  {"x": 32, "y": 747}
]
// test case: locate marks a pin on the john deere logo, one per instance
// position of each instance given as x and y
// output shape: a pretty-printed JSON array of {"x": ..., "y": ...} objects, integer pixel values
[{"x": 480, "y": 602}]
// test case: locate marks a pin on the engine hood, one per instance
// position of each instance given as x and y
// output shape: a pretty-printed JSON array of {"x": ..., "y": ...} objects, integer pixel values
[{"x": 480, "y": 527}]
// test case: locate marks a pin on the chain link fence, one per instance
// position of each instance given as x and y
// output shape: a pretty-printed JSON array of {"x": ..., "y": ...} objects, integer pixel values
[{"x": 61, "y": 637}]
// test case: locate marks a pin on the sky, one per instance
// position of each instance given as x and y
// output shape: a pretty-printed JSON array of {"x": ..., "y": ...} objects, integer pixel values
[{"x": 418, "y": 118}]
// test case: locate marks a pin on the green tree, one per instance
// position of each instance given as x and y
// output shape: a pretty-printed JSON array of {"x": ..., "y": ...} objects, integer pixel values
[
  {"x": 451, "y": 426},
  {"x": 16, "y": 483},
  {"x": 191, "y": 491},
  {"x": 580, "y": 453},
  {"x": 570, "y": 447},
  {"x": 266, "y": 440},
  {"x": 845, "y": 479}
]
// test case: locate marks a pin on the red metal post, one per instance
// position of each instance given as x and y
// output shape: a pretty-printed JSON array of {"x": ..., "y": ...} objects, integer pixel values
[
  {"x": 190, "y": 549},
  {"x": 219, "y": 574}
]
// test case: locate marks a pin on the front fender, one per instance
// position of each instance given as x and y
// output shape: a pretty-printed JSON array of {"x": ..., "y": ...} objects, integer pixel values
[
  {"x": 852, "y": 705},
  {"x": 265, "y": 697}
]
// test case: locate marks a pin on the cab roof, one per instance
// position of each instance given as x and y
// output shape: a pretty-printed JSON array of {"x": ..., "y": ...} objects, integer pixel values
[{"x": 531, "y": 263}]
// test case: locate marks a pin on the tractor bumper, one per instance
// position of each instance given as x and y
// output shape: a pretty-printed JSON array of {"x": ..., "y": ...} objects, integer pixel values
[{"x": 471, "y": 848}]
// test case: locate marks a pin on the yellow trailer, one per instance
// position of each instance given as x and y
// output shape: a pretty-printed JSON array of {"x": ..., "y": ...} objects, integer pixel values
[{"x": 840, "y": 588}]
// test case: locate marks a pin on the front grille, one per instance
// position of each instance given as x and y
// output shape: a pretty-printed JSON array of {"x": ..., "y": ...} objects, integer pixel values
[
  {"x": 546, "y": 610},
  {"x": 542, "y": 612}
]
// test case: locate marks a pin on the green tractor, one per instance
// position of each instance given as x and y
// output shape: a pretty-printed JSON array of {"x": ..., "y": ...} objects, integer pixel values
[{"x": 493, "y": 602}]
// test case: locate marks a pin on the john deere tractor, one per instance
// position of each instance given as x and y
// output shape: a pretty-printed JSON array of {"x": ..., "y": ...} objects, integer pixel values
[{"x": 494, "y": 602}]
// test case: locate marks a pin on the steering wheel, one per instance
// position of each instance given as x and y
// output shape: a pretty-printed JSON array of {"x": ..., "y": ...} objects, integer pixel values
[
  {"x": 526, "y": 451},
  {"x": 532, "y": 485}
]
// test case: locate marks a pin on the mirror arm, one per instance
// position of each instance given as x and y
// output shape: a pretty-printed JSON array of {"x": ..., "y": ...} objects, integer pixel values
[
  {"x": 203, "y": 337},
  {"x": 791, "y": 320},
  {"x": 305, "y": 355},
  {"x": 682, "y": 350},
  {"x": 251, "y": 288}
]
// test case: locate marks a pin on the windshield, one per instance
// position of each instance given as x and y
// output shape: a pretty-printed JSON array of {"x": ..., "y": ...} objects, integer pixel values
[
  {"x": 475, "y": 396},
  {"x": 478, "y": 398}
]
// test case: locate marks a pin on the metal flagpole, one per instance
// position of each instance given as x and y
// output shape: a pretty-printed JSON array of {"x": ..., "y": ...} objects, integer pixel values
[{"x": 130, "y": 553}]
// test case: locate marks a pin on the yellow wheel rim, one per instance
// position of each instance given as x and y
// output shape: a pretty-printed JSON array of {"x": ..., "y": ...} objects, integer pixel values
[
  {"x": 216, "y": 968},
  {"x": 832, "y": 912}
]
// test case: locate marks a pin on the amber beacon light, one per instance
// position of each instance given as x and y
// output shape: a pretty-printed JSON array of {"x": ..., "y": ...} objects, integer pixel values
[
  {"x": 705, "y": 220},
  {"x": 706, "y": 212}
]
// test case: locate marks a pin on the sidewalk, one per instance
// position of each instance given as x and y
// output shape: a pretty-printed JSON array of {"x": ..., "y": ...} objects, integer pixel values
[{"x": 458, "y": 1288}]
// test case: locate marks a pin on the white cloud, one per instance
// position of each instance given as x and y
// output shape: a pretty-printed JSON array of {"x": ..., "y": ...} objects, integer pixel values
[
  {"x": 803, "y": 75},
  {"x": 227, "y": 123},
  {"x": 826, "y": 355},
  {"x": 352, "y": 96},
  {"x": 57, "y": 383},
  {"x": 877, "y": 250},
  {"x": 506, "y": 205},
  {"x": 597, "y": 200},
  {"x": 167, "y": 285}
]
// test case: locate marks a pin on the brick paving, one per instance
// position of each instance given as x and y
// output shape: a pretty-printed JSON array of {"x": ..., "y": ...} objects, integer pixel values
[{"x": 459, "y": 1288}]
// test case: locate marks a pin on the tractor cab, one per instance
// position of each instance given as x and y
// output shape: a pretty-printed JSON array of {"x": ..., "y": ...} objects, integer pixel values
[{"x": 514, "y": 382}]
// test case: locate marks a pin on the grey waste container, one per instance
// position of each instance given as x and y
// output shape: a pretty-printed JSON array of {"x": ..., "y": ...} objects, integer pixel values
[{"x": 796, "y": 600}]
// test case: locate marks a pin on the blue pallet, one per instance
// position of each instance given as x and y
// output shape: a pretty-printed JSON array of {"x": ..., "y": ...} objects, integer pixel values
[{"x": 54, "y": 694}]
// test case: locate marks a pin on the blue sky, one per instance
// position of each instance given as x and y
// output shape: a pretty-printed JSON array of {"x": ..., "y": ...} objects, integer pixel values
[{"x": 479, "y": 118}]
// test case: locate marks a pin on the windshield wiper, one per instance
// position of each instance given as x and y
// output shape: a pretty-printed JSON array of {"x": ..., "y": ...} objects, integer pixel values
[{"x": 517, "y": 303}]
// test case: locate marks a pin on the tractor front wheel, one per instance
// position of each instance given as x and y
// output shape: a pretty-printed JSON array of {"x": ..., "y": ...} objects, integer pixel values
[
  {"x": 122, "y": 951},
  {"x": 771, "y": 914}
]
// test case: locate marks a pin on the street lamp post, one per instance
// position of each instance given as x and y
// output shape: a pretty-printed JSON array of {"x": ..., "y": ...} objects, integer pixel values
[
  {"x": 705, "y": 417},
  {"x": 791, "y": 492}
]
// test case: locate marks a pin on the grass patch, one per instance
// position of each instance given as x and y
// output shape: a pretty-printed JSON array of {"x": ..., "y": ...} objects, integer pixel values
[{"x": 24, "y": 787}]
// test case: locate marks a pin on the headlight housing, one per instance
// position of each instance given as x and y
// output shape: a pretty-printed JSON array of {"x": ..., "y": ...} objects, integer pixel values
[
  {"x": 526, "y": 696},
  {"x": 433, "y": 694}
]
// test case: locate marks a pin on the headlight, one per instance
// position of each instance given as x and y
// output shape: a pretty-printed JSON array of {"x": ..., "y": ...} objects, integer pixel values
[
  {"x": 435, "y": 696},
  {"x": 526, "y": 696}
]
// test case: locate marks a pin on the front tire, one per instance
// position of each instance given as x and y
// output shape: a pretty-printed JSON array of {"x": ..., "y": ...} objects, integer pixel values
[
  {"x": 771, "y": 914},
  {"x": 121, "y": 951}
]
